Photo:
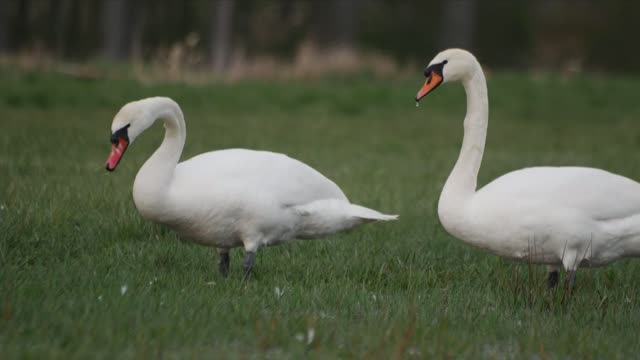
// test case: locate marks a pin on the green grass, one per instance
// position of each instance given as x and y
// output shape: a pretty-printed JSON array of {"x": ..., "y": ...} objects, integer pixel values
[{"x": 70, "y": 236}]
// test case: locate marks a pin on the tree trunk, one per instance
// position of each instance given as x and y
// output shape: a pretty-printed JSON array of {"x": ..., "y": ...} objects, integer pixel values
[
  {"x": 20, "y": 26},
  {"x": 139, "y": 23},
  {"x": 458, "y": 24},
  {"x": 319, "y": 28},
  {"x": 345, "y": 19},
  {"x": 221, "y": 32},
  {"x": 4, "y": 26},
  {"x": 115, "y": 29}
]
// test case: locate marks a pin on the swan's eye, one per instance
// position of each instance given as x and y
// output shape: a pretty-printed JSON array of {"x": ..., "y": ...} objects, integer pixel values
[
  {"x": 435, "y": 67},
  {"x": 121, "y": 133}
]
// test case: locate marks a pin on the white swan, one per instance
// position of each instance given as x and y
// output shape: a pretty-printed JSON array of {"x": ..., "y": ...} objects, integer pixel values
[
  {"x": 559, "y": 216},
  {"x": 229, "y": 198}
]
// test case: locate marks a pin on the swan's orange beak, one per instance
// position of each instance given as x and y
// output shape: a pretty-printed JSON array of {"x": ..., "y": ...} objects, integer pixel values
[
  {"x": 117, "y": 150},
  {"x": 433, "y": 80}
]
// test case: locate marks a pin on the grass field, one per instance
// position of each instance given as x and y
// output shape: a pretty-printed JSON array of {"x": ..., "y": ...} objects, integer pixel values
[{"x": 83, "y": 276}]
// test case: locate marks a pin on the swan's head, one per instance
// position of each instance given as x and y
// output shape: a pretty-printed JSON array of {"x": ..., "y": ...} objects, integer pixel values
[
  {"x": 448, "y": 65},
  {"x": 132, "y": 119}
]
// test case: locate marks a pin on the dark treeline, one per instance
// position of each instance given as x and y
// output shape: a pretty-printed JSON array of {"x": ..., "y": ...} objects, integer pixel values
[{"x": 556, "y": 34}]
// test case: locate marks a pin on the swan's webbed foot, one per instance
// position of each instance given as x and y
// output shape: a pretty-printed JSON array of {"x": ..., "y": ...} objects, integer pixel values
[
  {"x": 552, "y": 280},
  {"x": 247, "y": 263},
  {"x": 223, "y": 263}
]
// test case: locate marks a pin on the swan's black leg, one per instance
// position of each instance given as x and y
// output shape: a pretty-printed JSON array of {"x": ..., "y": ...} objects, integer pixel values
[
  {"x": 569, "y": 284},
  {"x": 570, "y": 280},
  {"x": 223, "y": 264},
  {"x": 552, "y": 280},
  {"x": 247, "y": 263}
]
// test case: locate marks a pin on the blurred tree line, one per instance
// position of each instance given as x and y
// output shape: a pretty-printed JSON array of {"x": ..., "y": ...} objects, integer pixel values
[{"x": 549, "y": 34}]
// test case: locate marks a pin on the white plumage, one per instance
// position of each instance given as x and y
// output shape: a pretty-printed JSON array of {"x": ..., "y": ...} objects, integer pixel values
[
  {"x": 559, "y": 216},
  {"x": 230, "y": 198}
]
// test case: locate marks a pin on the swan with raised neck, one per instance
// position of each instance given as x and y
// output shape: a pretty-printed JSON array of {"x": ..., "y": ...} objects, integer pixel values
[{"x": 560, "y": 216}]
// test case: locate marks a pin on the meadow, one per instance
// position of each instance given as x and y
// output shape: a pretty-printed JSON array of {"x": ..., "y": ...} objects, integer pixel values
[{"x": 82, "y": 275}]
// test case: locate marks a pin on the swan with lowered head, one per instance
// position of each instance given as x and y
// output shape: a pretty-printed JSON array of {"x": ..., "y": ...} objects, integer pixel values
[
  {"x": 560, "y": 216},
  {"x": 229, "y": 198}
]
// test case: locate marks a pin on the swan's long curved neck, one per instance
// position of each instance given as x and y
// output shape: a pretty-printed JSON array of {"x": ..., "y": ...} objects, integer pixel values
[
  {"x": 155, "y": 176},
  {"x": 463, "y": 180}
]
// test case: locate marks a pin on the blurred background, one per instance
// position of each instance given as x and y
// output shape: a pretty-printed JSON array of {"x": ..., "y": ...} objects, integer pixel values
[{"x": 271, "y": 38}]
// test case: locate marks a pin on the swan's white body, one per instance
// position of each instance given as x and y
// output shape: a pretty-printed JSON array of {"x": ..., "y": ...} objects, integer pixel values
[
  {"x": 234, "y": 197},
  {"x": 559, "y": 216},
  {"x": 239, "y": 197}
]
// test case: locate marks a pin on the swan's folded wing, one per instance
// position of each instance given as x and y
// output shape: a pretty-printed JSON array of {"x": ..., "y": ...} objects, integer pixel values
[
  {"x": 599, "y": 194},
  {"x": 288, "y": 181}
]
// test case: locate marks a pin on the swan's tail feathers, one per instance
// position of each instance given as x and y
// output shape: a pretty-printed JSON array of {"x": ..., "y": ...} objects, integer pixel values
[
  {"x": 370, "y": 215},
  {"x": 324, "y": 217}
]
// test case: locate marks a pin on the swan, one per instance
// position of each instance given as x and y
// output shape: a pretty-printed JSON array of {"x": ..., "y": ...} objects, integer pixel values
[
  {"x": 564, "y": 217},
  {"x": 229, "y": 198}
]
